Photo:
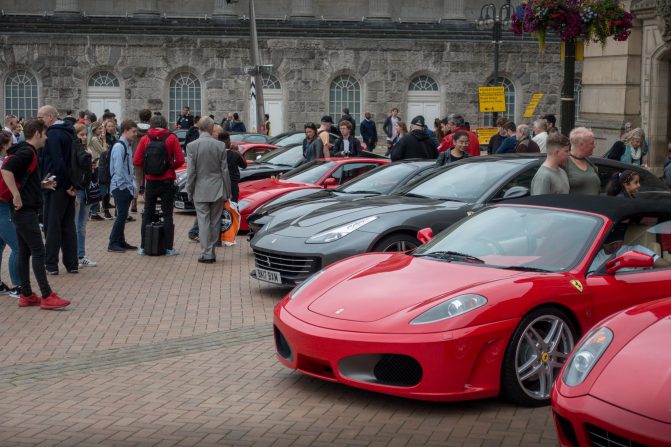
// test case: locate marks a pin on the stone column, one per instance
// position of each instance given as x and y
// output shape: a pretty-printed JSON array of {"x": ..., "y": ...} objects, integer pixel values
[
  {"x": 223, "y": 9},
  {"x": 454, "y": 10},
  {"x": 146, "y": 9},
  {"x": 67, "y": 7},
  {"x": 379, "y": 9},
  {"x": 302, "y": 8}
]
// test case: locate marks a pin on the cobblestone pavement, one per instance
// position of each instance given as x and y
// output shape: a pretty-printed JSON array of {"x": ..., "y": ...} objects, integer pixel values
[{"x": 166, "y": 351}]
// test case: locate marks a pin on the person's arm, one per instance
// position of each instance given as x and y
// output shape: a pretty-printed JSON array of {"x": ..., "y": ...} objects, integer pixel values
[
  {"x": 386, "y": 127},
  {"x": 52, "y": 152},
  {"x": 191, "y": 172},
  {"x": 242, "y": 163},
  {"x": 226, "y": 175},
  {"x": 178, "y": 155},
  {"x": 473, "y": 145},
  {"x": 10, "y": 181},
  {"x": 116, "y": 160}
]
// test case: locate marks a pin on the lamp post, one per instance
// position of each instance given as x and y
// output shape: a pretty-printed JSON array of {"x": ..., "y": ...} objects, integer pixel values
[{"x": 490, "y": 20}]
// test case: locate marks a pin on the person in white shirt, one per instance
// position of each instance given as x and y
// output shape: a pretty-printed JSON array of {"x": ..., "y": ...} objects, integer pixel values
[
  {"x": 614, "y": 246},
  {"x": 541, "y": 134},
  {"x": 11, "y": 123}
]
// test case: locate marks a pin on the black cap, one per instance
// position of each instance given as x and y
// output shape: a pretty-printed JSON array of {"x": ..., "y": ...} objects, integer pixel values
[
  {"x": 418, "y": 121},
  {"x": 327, "y": 119}
]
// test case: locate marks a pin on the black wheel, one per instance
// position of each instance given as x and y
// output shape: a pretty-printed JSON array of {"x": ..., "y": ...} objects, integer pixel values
[
  {"x": 535, "y": 354},
  {"x": 397, "y": 242}
]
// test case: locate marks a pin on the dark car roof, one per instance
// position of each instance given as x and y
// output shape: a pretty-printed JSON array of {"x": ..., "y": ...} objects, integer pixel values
[{"x": 615, "y": 208}]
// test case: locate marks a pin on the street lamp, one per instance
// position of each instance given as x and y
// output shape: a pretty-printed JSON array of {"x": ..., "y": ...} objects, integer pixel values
[{"x": 490, "y": 20}]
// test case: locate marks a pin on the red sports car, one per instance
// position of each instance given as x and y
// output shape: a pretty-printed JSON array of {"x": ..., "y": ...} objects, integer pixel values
[
  {"x": 251, "y": 151},
  {"x": 615, "y": 390},
  {"x": 316, "y": 174},
  {"x": 492, "y": 304}
]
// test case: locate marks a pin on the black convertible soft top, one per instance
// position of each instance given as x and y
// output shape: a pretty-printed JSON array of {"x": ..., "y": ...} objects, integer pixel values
[{"x": 615, "y": 208}]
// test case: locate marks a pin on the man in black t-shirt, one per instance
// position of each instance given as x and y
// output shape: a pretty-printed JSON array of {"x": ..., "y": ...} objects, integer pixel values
[{"x": 185, "y": 121}]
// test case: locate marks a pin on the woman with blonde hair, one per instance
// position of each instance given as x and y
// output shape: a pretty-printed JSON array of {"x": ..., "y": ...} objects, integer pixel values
[{"x": 634, "y": 147}]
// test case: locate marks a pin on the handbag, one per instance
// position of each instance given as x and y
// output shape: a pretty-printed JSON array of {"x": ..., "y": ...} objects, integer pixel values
[{"x": 93, "y": 193}]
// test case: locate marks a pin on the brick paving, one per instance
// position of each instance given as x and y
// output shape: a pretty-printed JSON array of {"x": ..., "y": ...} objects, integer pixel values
[{"x": 166, "y": 351}]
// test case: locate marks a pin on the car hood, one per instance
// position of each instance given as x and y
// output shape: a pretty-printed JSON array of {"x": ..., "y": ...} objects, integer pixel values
[
  {"x": 642, "y": 368},
  {"x": 380, "y": 285},
  {"x": 310, "y": 218}
]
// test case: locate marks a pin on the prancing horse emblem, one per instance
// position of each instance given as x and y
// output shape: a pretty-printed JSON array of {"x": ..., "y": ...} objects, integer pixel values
[{"x": 577, "y": 284}]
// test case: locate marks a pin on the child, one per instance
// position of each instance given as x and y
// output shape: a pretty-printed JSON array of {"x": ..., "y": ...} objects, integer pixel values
[{"x": 624, "y": 184}]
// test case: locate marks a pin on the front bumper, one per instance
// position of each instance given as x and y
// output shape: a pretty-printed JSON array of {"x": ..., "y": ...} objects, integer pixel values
[
  {"x": 586, "y": 420},
  {"x": 444, "y": 366},
  {"x": 183, "y": 203}
]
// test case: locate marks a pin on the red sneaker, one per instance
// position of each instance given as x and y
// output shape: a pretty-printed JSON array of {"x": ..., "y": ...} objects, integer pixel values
[
  {"x": 54, "y": 301},
  {"x": 32, "y": 300}
]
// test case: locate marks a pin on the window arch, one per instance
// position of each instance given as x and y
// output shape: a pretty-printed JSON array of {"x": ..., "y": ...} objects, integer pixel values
[
  {"x": 184, "y": 91},
  {"x": 423, "y": 84},
  {"x": 509, "y": 93},
  {"x": 103, "y": 79},
  {"x": 271, "y": 82},
  {"x": 345, "y": 92},
  {"x": 21, "y": 94},
  {"x": 577, "y": 96}
]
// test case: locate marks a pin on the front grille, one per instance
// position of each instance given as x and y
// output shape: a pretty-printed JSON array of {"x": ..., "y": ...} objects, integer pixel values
[
  {"x": 567, "y": 429},
  {"x": 398, "y": 370},
  {"x": 182, "y": 197},
  {"x": 599, "y": 437},
  {"x": 287, "y": 265}
]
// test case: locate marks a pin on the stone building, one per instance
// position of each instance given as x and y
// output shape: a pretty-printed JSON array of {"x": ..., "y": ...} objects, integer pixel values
[{"x": 367, "y": 55}]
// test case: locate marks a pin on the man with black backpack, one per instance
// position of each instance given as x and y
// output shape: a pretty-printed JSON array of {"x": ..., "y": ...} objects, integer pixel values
[
  {"x": 59, "y": 205},
  {"x": 159, "y": 154}
]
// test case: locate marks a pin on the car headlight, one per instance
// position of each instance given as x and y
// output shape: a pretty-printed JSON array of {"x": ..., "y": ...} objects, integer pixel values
[
  {"x": 453, "y": 307},
  {"x": 243, "y": 204},
  {"x": 296, "y": 290},
  {"x": 586, "y": 356},
  {"x": 339, "y": 232}
]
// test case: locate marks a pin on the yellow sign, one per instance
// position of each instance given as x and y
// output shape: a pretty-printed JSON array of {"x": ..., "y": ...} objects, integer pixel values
[
  {"x": 486, "y": 133},
  {"x": 577, "y": 284},
  {"x": 535, "y": 99},
  {"x": 492, "y": 99},
  {"x": 579, "y": 51}
]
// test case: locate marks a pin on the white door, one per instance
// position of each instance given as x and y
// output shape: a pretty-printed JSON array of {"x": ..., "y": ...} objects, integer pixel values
[
  {"x": 429, "y": 110},
  {"x": 273, "y": 105},
  {"x": 101, "y": 98}
]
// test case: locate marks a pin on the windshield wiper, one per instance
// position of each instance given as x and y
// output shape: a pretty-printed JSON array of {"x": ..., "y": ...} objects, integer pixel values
[
  {"x": 452, "y": 255},
  {"x": 418, "y": 196},
  {"x": 524, "y": 268},
  {"x": 377, "y": 193}
]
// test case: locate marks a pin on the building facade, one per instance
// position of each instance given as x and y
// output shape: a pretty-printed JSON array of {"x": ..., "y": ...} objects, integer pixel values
[{"x": 125, "y": 55}]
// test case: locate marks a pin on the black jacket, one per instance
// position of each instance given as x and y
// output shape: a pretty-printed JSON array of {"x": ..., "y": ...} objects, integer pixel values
[
  {"x": 338, "y": 149},
  {"x": 56, "y": 153},
  {"x": 386, "y": 127},
  {"x": 369, "y": 133},
  {"x": 21, "y": 157},
  {"x": 416, "y": 144},
  {"x": 447, "y": 157},
  {"x": 235, "y": 163}
]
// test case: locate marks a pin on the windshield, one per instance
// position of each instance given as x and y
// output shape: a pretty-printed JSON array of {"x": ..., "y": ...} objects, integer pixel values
[
  {"x": 283, "y": 157},
  {"x": 309, "y": 172},
  {"x": 464, "y": 182},
  {"x": 381, "y": 180},
  {"x": 296, "y": 138},
  {"x": 519, "y": 238}
]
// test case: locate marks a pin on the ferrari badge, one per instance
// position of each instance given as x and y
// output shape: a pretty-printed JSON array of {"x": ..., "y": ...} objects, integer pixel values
[{"x": 577, "y": 284}]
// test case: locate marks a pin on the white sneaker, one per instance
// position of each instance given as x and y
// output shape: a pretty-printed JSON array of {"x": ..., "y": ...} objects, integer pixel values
[
  {"x": 229, "y": 244},
  {"x": 86, "y": 262}
]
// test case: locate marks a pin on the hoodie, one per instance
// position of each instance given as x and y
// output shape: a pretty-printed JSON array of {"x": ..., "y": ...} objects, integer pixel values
[
  {"x": 21, "y": 157},
  {"x": 416, "y": 144},
  {"x": 56, "y": 153},
  {"x": 173, "y": 147}
]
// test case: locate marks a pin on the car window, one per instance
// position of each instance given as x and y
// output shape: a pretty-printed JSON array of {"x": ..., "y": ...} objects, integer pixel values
[
  {"x": 524, "y": 179},
  {"x": 382, "y": 180},
  {"x": 290, "y": 156},
  {"x": 646, "y": 234},
  {"x": 252, "y": 154},
  {"x": 648, "y": 180},
  {"x": 310, "y": 172},
  {"x": 296, "y": 138},
  {"x": 350, "y": 171},
  {"x": 255, "y": 138}
]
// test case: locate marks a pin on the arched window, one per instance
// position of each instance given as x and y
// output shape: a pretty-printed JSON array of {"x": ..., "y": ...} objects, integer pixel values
[
  {"x": 103, "y": 79},
  {"x": 271, "y": 82},
  {"x": 345, "y": 92},
  {"x": 423, "y": 84},
  {"x": 184, "y": 91},
  {"x": 509, "y": 92},
  {"x": 21, "y": 94},
  {"x": 577, "y": 96}
]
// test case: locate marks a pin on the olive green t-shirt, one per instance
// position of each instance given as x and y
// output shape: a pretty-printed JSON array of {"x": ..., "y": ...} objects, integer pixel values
[{"x": 583, "y": 182}]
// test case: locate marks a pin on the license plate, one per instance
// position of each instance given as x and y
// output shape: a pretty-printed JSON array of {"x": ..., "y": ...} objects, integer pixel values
[
  {"x": 269, "y": 276},
  {"x": 179, "y": 204}
]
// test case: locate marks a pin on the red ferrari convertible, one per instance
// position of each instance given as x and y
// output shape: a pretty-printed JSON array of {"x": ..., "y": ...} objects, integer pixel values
[
  {"x": 316, "y": 174},
  {"x": 492, "y": 304},
  {"x": 615, "y": 390}
]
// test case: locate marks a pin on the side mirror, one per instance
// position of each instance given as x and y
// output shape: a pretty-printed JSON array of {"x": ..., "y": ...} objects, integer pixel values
[
  {"x": 330, "y": 183},
  {"x": 516, "y": 192},
  {"x": 629, "y": 259},
  {"x": 425, "y": 235}
]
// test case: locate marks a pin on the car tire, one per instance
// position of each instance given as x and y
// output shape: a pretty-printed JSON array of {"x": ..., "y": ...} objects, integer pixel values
[
  {"x": 535, "y": 354},
  {"x": 397, "y": 242}
]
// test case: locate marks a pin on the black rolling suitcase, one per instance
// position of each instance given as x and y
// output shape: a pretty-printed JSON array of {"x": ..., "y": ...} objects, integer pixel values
[{"x": 154, "y": 239}]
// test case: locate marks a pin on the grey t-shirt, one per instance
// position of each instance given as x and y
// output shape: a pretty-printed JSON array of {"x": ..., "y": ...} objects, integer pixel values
[
  {"x": 583, "y": 182},
  {"x": 549, "y": 181}
]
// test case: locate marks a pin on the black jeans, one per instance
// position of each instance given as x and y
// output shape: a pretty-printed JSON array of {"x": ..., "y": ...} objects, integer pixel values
[
  {"x": 122, "y": 198},
  {"x": 30, "y": 244},
  {"x": 61, "y": 233},
  {"x": 165, "y": 190}
]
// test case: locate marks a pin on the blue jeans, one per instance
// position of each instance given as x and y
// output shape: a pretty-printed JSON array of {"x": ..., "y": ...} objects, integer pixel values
[
  {"x": 8, "y": 237},
  {"x": 122, "y": 198},
  {"x": 81, "y": 217}
]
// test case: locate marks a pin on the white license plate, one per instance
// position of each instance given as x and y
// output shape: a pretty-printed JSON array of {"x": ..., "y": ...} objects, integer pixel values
[
  {"x": 179, "y": 204},
  {"x": 269, "y": 276}
]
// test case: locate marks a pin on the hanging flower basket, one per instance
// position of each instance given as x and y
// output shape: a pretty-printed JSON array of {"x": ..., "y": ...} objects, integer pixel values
[{"x": 587, "y": 20}]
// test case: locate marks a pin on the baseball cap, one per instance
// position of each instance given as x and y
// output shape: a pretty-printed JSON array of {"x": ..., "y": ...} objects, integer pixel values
[
  {"x": 418, "y": 121},
  {"x": 327, "y": 119}
]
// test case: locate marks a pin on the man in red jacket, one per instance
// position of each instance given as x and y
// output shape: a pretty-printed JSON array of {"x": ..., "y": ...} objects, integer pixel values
[
  {"x": 158, "y": 154},
  {"x": 456, "y": 123}
]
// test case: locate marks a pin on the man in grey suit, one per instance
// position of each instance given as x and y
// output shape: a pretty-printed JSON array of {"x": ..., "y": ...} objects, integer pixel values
[{"x": 208, "y": 185}]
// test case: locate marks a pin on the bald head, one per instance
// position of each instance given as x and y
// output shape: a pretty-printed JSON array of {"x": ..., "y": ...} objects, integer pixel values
[{"x": 48, "y": 114}]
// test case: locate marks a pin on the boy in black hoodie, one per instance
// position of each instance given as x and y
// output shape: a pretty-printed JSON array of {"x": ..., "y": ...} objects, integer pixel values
[{"x": 21, "y": 166}]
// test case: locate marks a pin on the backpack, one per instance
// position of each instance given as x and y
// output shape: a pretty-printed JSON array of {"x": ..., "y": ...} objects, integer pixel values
[
  {"x": 81, "y": 165},
  {"x": 104, "y": 176},
  {"x": 156, "y": 160},
  {"x": 5, "y": 193}
]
